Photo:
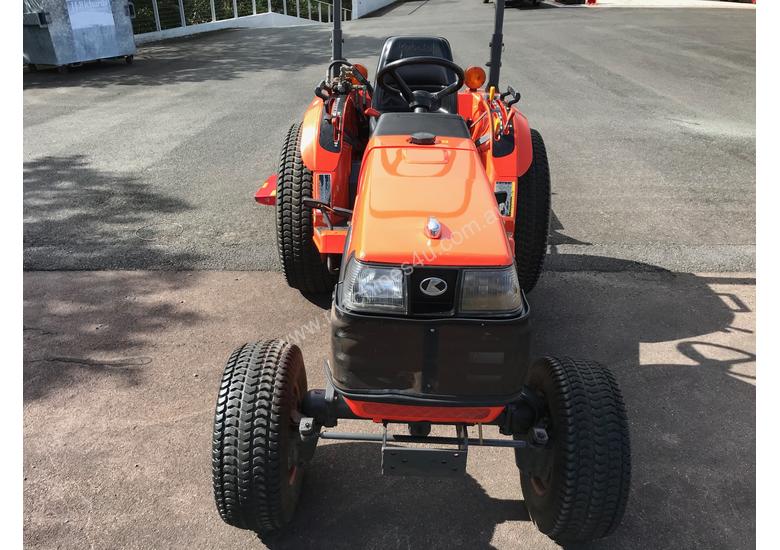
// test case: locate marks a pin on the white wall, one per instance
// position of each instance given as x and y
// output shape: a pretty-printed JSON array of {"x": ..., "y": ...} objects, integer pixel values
[
  {"x": 258, "y": 21},
  {"x": 361, "y": 8}
]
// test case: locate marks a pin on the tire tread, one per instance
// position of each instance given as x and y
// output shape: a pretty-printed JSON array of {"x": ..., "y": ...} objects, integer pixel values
[
  {"x": 532, "y": 222},
  {"x": 596, "y": 464},
  {"x": 302, "y": 264},
  {"x": 252, "y": 408}
]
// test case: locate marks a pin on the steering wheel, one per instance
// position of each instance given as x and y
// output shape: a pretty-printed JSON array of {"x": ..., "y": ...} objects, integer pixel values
[{"x": 420, "y": 101}]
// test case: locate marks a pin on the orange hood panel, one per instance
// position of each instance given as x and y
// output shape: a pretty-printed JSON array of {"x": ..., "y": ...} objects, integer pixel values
[{"x": 402, "y": 185}]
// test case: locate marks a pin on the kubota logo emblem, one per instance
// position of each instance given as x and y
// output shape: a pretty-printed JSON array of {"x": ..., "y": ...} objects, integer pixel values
[{"x": 433, "y": 286}]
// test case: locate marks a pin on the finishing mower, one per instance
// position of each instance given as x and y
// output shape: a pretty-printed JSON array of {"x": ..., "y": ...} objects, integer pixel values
[{"x": 422, "y": 202}]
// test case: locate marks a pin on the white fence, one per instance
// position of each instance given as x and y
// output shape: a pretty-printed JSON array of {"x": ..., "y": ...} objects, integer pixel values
[{"x": 160, "y": 19}]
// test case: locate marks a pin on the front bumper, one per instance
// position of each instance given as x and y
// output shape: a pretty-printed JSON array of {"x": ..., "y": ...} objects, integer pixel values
[{"x": 434, "y": 361}]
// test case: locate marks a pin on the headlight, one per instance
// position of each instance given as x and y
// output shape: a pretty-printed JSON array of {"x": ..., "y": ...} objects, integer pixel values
[
  {"x": 373, "y": 288},
  {"x": 490, "y": 291}
]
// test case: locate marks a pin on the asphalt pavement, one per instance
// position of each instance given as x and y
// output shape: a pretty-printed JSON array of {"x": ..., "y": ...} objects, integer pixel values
[
  {"x": 648, "y": 116},
  {"x": 148, "y": 261},
  {"x": 122, "y": 370}
]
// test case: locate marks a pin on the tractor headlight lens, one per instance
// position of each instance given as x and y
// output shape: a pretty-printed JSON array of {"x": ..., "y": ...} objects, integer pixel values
[
  {"x": 490, "y": 291},
  {"x": 373, "y": 288}
]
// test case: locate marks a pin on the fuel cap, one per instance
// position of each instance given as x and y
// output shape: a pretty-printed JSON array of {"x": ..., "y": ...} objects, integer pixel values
[{"x": 423, "y": 138}]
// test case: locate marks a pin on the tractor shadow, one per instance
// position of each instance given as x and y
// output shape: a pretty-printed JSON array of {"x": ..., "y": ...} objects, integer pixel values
[
  {"x": 214, "y": 56},
  {"x": 558, "y": 237},
  {"x": 322, "y": 301},
  {"x": 348, "y": 502},
  {"x": 682, "y": 347}
]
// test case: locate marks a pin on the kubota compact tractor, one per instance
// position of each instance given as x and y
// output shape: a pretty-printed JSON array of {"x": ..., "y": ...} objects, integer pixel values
[{"x": 422, "y": 204}]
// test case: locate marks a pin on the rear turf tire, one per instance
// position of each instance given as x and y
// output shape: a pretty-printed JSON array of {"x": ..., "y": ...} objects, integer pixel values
[
  {"x": 584, "y": 496},
  {"x": 301, "y": 261},
  {"x": 256, "y": 471},
  {"x": 532, "y": 222}
]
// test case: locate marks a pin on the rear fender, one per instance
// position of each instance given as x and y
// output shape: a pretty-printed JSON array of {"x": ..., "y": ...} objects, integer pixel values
[
  {"x": 523, "y": 149},
  {"x": 329, "y": 162},
  {"x": 507, "y": 161},
  {"x": 321, "y": 155},
  {"x": 315, "y": 157},
  {"x": 512, "y": 154}
]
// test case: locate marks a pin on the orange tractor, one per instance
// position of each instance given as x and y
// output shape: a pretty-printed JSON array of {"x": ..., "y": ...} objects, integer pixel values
[{"x": 422, "y": 203}]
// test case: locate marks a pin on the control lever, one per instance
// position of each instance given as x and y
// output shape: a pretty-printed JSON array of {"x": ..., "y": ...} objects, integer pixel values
[
  {"x": 510, "y": 92},
  {"x": 327, "y": 210},
  {"x": 322, "y": 91}
]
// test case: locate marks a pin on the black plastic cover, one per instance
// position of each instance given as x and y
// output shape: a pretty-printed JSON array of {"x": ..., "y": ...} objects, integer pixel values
[
  {"x": 479, "y": 361},
  {"x": 423, "y": 138},
  {"x": 406, "y": 124}
]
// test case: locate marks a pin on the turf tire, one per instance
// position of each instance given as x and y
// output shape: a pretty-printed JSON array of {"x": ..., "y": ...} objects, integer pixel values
[
  {"x": 532, "y": 222},
  {"x": 587, "y": 490},
  {"x": 301, "y": 261},
  {"x": 257, "y": 477}
]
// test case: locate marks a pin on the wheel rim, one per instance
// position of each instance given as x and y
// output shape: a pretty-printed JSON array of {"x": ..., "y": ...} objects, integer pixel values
[
  {"x": 292, "y": 448},
  {"x": 292, "y": 457},
  {"x": 292, "y": 475},
  {"x": 541, "y": 483},
  {"x": 539, "y": 486}
]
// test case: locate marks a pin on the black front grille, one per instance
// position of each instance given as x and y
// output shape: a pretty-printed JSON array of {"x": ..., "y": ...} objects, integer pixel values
[{"x": 431, "y": 277}]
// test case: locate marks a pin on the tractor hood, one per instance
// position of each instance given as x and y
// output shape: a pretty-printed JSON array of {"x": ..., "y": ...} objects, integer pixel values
[{"x": 403, "y": 185}]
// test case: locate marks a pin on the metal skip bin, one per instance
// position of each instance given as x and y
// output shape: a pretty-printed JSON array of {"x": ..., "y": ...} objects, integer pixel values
[{"x": 62, "y": 32}]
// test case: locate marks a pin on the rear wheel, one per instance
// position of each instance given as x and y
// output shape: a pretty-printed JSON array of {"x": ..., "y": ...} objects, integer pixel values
[
  {"x": 576, "y": 485},
  {"x": 301, "y": 261},
  {"x": 256, "y": 468},
  {"x": 532, "y": 222}
]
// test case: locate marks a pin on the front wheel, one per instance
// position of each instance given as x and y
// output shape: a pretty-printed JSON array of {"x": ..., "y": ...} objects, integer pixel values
[
  {"x": 576, "y": 485},
  {"x": 256, "y": 465}
]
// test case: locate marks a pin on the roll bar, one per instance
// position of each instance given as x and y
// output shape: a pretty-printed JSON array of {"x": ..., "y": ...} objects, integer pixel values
[
  {"x": 496, "y": 42},
  {"x": 496, "y": 46},
  {"x": 336, "y": 39}
]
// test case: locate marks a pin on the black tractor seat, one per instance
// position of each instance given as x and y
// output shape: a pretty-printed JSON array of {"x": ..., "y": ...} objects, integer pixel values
[
  {"x": 428, "y": 78},
  {"x": 406, "y": 124}
]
